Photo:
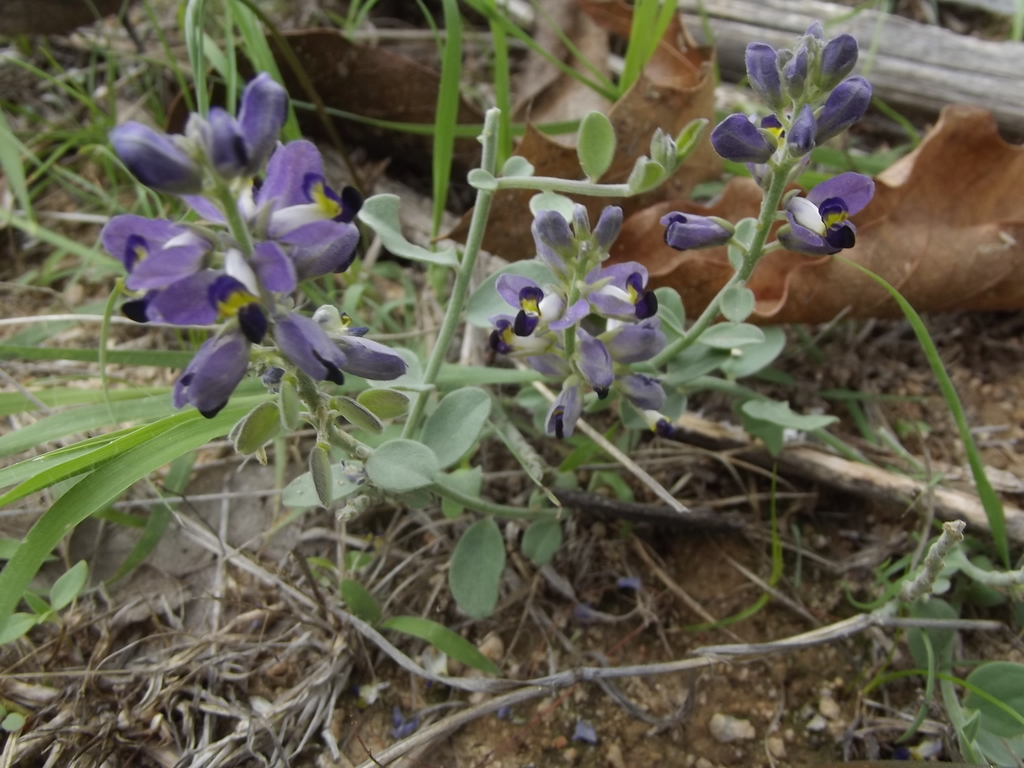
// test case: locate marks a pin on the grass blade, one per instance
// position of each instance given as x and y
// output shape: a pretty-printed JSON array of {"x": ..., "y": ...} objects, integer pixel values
[
  {"x": 10, "y": 162},
  {"x": 989, "y": 500},
  {"x": 447, "y": 115}
]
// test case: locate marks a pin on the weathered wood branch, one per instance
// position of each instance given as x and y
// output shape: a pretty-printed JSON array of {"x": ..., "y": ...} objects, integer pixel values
[{"x": 915, "y": 66}]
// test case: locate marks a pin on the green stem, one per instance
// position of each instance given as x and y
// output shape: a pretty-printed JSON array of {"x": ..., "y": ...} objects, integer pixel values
[
  {"x": 239, "y": 229},
  {"x": 475, "y": 238},
  {"x": 489, "y": 507},
  {"x": 769, "y": 205},
  {"x": 569, "y": 186}
]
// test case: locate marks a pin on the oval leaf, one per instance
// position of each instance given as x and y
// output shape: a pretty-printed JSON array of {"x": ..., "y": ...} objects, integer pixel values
[
  {"x": 359, "y": 601},
  {"x": 476, "y": 566},
  {"x": 481, "y": 179},
  {"x": 782, "y": 415},
  {"x": 453, "y": 429},
  {"x": 301, "y": 493},
  {"x": 670, "y": 308},
  {"x": 67, "y": 587},
  {"x": 752, "y": 358},
  {"x": 596, "y": 144},
  {"x": 442, "y": 638},
  {"x": 288, "y": 402},
  {"x": 729, "y": 335},
  {"x": 517, "y": 165},
  {"x": 552, "y": 201},
  {"x": 468, "y": 481},
  {"x": 737, "y": 303},
  {"x": 1004, "y": 681},
  {"x": 541, "y": 541},
  {"x": 358, "y": 415},
  {"x": 384, "y": 403},
  {"x": 15, "y": 625},
  {"x": 322, "y": 474},
  {"x": 259, "y": 427},
  {"x": 402, "y": 465},
  {"x": 380, "y": 213}
]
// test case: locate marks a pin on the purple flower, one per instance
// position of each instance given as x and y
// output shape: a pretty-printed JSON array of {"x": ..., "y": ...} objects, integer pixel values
[
  {"x": 739, "y": 140},
  {"x": 370, "y": 359},
  {"x": 155, "y": 252},
  {"x": 837, "y": 61},
  {"x": 213, "y": 374},
  {"x": 818, "y": 223},
  {"x": 642, "y": 391},
  {"x": 553, "y": 239},
  {"x": 585, "y": 732},
  {"x": 594, "y": 362},
  {"x": 620, "y": 291},
  {"x": 233, "y": 299},
  {"x": 629, "y": 344},
  {"x": 510, "y": 337},
  {"x": 156, "y": 160},
  {"x": 538, "y": 306},
  {"x": 684, "y": 231},
  {"x": 795, "y": 72},
  {"x": 801, "y": 136},
  {"x": 403, "y": 728},
  {"x": 305, "y": 343},
  {"x": 844, "y": 107},
  {"x": 629, "y": 582},
  {"x": 565, "y": 412},
  {"x": 763, "y": 73}
]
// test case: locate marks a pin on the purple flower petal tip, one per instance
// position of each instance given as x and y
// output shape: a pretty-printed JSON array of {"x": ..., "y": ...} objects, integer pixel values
[
  {"x": 155, "y": 160},
  {"x": 763, "y": 73},
  {"x": 686, "y": 231},
  {"x": 739, "y": 140}
]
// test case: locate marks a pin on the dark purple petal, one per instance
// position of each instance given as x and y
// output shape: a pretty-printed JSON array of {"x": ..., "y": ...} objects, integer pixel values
[
  {"x": 844, "y": 107},
  {"x": 565, "y": 412},
  {"x": 646, "y": 306},
  {"x": 739, "y": 140},
  {"x": 763, "y": 73},
  {"x": 685, "y": 231},
  {"x": 795, "y": 72},
  {"x": 644, "y": 392},
  {"x": 511, "y": 286},
  {"x": 837, "y": 61},
  {"x": 608, "y": 227},
  {"x": 225, "y": 145},
  {"x": 213, "y": 374},
  {"x": 186, "y": 302},
  {"x": 501, "y": 336},
  {"x": 325, "y": 246},
  {"x": 549, "y": 364},
  {"x": 262, "y": 115},
  {"x": 125, "y": 230},
  {"x": 854, "y": 189},
  {"x": 274, "y": 269},
  {"x": 166, "y": 266},
  {"x": 155, "y": 160},
  {"x": 802, "y": 240},
  {"x": 371, "y": 359},
  {"x": 571, "y": 316},
  {"x": 135, "y": 309},
  {"x": 253, "y": 322},
  {"x": 635, "y": 343},
  {"x": 525, "y": 323},
  {"x": 288, "y": 167},
  {"x": 304, "y": 342},
  {"x": 842, "y": 235},
  {"x": 594, "y": 362},
  {"x": 800, "y": 138}
]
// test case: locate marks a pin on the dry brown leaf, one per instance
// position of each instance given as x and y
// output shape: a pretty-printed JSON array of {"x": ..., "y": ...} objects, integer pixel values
[
  {"x": 946, "y": 227},
  {"x": 52, "y": 17},
  {"x": 676, "y": 87}
]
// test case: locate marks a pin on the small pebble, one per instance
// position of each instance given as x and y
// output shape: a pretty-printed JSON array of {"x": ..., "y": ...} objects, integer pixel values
[
  {"x": 829, "y": 707},
  {"x": 777, "y": 747},
  {"x": 492, "y": 646},
  {"x": 570, "y": 755},
  {"x": 726, "y": 729},
  {"x": 817, "y": 724},
  {"x": 559, "y": 742},
  {"x": 614, "y": 756},
  {"x": 703, "y": 762}
]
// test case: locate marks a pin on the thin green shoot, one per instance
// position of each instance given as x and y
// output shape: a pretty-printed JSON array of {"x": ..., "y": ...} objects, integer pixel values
[
  {"x": 447, "y": 114},
  {"x": 170, "y": 59},
  {"x": 10, "y": 162},
  {"x": 913, "y": 134},
  {"x": 989, "y": 499},
  {"x": 230, "y": 73},
  {"x": 502, "y": 92},
  {"x": 1017, "y": 28},
  {"x": 571, "y": 46},
  {"x": 194, "y": 29},
  {"x": 650, "y": 22}
]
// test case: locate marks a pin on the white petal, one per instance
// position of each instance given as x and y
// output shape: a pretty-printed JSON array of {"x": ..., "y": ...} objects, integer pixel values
[
  {"x": 806, "y": 214},
  {"x": 551, "y": 307},
  {"x": 237, "y": 267},
  {"x": 294, "y": 216}
]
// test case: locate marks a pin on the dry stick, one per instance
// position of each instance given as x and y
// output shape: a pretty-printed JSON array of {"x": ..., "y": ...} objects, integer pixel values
[{"x": 638, "y": 472}]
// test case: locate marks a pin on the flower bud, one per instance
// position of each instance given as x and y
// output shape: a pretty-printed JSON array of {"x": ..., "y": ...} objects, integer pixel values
[
  {"x": 800, "y": 138},
  {"x": 155, "y": 160},
  {"x": 739, "y": 140},
  {"x": 686, "y": 231},
  {"x": 224, "y": 144},
  {"x": 837, "y": 61},
  {"x": 262, "y": 115},
  {"x": 763, "y": 73},
  {"x": 608, "y": 227},
  {"x": 816, "y": 31},
  {"x": 844, "y": 107},
  {"x": 553, "y": 239},
  {"x": 580, "y": 222},
  {"x": 795, "y": 73}
]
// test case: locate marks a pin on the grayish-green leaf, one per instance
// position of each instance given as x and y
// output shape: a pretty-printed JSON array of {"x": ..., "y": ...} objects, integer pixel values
[
  {"x": 941, "y": 639},
  {"x": 69, "y": 585},
  {"x": 384, "y": 403},
  {"x": 411, "y": 379},
  {"x": 737, "y": 303},
  {"x": 542, "y": 540},
  {"x": 261, "y": 425},
  {"x": 300, "y": 493},
  {"x": 689, "y": 138},
  {"x": 781, "y": 414},
  {"x": 670, "y": 309},
  {"x": 772, "y": 435},
  {"x": 752, "y": 358},
  {"x": 693, "y": 362},
  {"x": 478, "y": 178},
  {"x": 485, "y": 302},
  {"x": 16, "y": 625},
  {"x": 288, "y": 402},
  {"x": 646, "y": 174},
  {"x": 14, "y": 721},
  {"x": 730, "y": 335},
  {"x": 552, "y": 201},
  {"x": 359, "y": 601},
  {"x": 517, "y": 165},
  {"x": 380, "y": 213},
  {"x": 1004, "y": 681},
  {"x": 596, "y": 144},
  {"x": 453, "y": 429},
  {"x": 476, "y": 566},
  {"x": 468, "y": 481},
  {"x": 402, "y": 465},
  {"x": 442, "y": 638},
  {"x": 322, "y": 474},
  {"x": 357, "y": 414}
]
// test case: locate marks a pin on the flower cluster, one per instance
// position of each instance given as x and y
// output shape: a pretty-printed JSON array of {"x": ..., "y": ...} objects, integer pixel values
[
  {"x": 253, "y": 246},
  {"x": 812, "y": 98},
  {"x": 589, "y": 325}
]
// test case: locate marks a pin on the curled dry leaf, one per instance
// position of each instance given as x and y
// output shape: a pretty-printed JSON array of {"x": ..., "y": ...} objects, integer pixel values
[
  {"x": 946, "y": 227},
  {"x": 675, "y": 88}
]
